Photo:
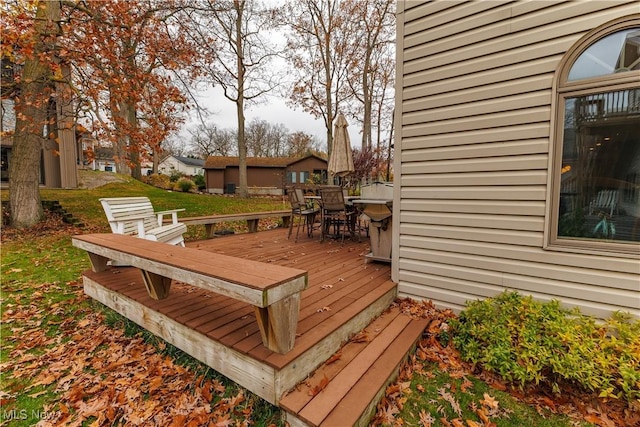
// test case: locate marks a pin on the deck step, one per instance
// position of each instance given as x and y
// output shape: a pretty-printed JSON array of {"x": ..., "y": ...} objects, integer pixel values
[{"x": 346, "y": 389}]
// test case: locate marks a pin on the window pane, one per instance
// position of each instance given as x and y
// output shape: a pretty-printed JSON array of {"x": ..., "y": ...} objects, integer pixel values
[
  {"x": 304, "y": 177},
  {"x": 291, "y": 177},
  {"x": 600, "y": 176},
  {"x": 615, "y": 53}
]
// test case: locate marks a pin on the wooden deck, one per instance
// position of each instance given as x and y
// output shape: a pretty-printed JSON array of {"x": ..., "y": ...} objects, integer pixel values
[{"x": 344, "y": 295}]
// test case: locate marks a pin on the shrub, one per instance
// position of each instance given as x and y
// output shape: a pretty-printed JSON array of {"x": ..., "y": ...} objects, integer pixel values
[
  {"x": 199, "y": 181},
  {"x": 175, "y": 175},
  {"x": 185, "y": 185},
  {"x": 528, "y": 341},
  {"x": 158, "y": 180}
]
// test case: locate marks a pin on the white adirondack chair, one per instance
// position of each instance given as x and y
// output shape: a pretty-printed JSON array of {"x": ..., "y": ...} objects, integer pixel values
[{"x": 135, "y": 216}]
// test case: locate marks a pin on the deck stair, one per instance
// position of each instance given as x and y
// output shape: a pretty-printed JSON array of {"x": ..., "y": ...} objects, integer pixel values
[{"x": 345, "y": 390}]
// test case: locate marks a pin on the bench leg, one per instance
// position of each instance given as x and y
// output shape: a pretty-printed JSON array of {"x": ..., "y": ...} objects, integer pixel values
[
  {"x": 285, "y": 221},
  {"x": 278, "y": 323},
  {"x": 98, "y": 262},
  {"x": 158, "y": 286},
  {"x": 253, "y": 225},
  {"x": 209, "y": 230}
]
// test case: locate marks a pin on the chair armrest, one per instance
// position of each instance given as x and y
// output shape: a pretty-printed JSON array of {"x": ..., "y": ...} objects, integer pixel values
[
  {"x": 139, "y": 219},
  {"x": 172, "y": 212}
]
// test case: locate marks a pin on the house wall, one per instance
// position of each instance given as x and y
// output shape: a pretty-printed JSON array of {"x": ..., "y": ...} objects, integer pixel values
[
  {"x": 472, "y": 151},
  {"x": 309, "y": 165},
  {"x": 171, "y": 163},
  {"x": 256, "y": 176},
  {"x": 215, "y": 180},
  {"x": 261, "y": 180}
]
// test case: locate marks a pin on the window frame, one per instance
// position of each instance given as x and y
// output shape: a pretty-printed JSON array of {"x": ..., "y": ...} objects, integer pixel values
[{"x": 563, "y": 89}]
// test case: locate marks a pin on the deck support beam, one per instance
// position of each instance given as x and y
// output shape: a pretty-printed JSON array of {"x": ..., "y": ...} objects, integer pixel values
[{"x": 275, "y": 323}]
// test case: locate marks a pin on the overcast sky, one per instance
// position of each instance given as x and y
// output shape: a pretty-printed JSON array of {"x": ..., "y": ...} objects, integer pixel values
[{"x": 274, "y": 111}]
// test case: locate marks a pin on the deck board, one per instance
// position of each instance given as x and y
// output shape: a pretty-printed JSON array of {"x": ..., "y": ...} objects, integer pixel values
[
  {"x": 233, "y": 322},
  {"x": 344, "y": 294},
  {"x": 323, "y": 403}
]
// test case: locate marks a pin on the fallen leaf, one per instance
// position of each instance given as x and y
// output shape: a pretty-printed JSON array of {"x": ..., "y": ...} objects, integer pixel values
[
  {"x": 360, "y": 337},
  {"x": 426, "y": 420},
  {"x": 489, "y": 401},
  {"x": 321, "y": 386},
  {"x": 334, "y": 358}
]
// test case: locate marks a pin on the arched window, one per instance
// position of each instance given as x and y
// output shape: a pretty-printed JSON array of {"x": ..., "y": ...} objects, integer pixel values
[{"x": 595, "y": 203}]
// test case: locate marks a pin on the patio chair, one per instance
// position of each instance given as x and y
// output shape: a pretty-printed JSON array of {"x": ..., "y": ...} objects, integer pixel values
[
  {"x": 335, "y": 213},
  {"x": 305, "y": 216}
]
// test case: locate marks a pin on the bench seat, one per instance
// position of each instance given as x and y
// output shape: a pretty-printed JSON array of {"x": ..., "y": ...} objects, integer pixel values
[
  {"x": 273, "y": 290},
  {"x": 252, "y": 219}
]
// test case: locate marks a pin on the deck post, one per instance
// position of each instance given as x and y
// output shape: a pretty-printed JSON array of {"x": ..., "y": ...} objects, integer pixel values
[{"x": 278, "y": 323}]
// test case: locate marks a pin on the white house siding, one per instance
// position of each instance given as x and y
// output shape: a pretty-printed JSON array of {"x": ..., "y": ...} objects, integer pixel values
[
  {"x": 171, "y": 163},
  {"x": 472, "y": 155}
]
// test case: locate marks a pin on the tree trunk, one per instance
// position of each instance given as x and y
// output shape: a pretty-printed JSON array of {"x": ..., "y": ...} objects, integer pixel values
[
  {"x": 366, "y": 96},
  {"x": 31, "y": 115},
  {"x": 329, "y": 100},
  {"x": 243, "y": 190},
  {"x": 119, "y": 113},
  {"x": 134, "y": 151},
  {"x": 156, "y": 161}
]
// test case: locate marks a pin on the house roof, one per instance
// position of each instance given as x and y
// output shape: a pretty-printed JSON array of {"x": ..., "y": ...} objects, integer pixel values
[
  {"x": 103, "y": 153},
  {"x": 221, "y": 162},
  {"x": 189, "y": 161}
]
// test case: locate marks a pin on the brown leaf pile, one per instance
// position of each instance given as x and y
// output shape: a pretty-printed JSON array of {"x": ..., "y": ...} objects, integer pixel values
[
  {"x": 105, "y": 377},
  {"x": 579, "y": 405}
]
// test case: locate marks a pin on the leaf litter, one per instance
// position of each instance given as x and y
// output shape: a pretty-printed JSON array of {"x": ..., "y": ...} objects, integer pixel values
[
  {"x": 578, "y": 405},
  {"x": 103, "y": 377}
]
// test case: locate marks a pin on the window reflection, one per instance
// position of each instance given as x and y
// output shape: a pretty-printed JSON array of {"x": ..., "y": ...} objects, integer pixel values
[
  {"x": 614, "y": 53},
  {"x": 600, "y": 176}
]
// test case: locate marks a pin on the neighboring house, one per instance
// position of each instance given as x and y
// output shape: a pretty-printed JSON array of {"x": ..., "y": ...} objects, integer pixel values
[
  {"x": 59, "y": 153},
  {"x": 517, "y": 149},
  {"x": 103, "y": 159},
  {"x": 265, "y": 175},
  {"x": 185, "y": 165}
]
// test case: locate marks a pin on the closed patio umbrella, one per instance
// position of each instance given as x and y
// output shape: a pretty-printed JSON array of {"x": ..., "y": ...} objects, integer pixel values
[{"x": 341, "y": 160}]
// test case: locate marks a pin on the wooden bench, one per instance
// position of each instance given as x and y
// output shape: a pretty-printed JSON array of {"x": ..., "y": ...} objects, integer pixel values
[
  {"x": 273, "y": 290},
  {"x": 252, "y": 219},
  {"x": 136, "y": 216}
]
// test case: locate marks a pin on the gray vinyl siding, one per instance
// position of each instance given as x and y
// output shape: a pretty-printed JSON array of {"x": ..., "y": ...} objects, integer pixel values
[{"x": 474, "y": 111}]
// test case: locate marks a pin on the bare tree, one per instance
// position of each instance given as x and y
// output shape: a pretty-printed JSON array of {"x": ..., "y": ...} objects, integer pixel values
[
  {"x": 239, "y": 64},
  {"x": 256, "y": 137},
  {"x": 373, "y": 24},
  {"x": 301, "y": 143},
  {"x": 207, "y": 140},
  {"x": 265, "y": 139},
  {"x": 319, "y": 45}
]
